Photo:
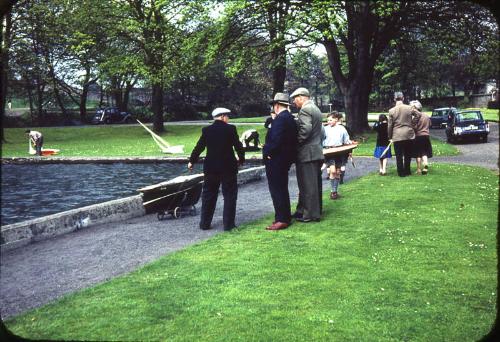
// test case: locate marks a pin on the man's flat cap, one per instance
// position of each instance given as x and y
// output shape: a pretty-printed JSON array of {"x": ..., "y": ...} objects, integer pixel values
[
  {"x": 219, "y": 111},
  {"x": 300, "y": 91}
]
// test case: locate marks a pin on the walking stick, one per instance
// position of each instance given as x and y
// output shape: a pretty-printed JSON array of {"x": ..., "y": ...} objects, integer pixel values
[{"x": 386, "y": 149}]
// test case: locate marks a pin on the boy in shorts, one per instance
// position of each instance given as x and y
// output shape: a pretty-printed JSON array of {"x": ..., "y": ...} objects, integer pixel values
[{"x": 335, "y": 135}]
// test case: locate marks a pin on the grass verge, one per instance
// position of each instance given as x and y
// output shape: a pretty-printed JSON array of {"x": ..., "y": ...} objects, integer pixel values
[
  {"x": 132, "y": 140},
  {"x": 395, "y": 259}
]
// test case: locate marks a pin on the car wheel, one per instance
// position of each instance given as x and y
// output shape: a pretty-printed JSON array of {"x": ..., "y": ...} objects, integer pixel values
[{"x": 485, "y": 139}]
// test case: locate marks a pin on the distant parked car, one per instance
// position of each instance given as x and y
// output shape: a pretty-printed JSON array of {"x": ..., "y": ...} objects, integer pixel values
[
  {"x": 439, "y": 116},
  {"x": 111, "y": 115},
  {"x": 466, "y": 124}
]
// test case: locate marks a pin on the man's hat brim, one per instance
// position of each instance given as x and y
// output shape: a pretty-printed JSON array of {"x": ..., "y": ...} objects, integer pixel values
[{"x": 280, "y": 102}]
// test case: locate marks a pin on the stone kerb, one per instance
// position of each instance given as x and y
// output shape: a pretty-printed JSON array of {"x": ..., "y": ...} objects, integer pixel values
[{"x": 22, "y": 233}]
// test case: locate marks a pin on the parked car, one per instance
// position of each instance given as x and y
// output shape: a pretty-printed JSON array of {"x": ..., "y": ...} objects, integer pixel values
[
  {"x": 439, "y": 116},
  {"x": 466, "y": 124},
  {"x": 111, "y": 115}
]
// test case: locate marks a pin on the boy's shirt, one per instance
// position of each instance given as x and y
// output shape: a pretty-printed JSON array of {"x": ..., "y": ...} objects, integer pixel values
[{"x": 336, "y": 136}]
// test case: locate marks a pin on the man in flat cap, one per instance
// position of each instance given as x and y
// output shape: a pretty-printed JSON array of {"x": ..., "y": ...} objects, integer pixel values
[
  {"x": 279, "y": 153},
  {"x": 219, "y": 167},
  {"x": 309, "y": 157},
  {"x": 400, "y": 131}
]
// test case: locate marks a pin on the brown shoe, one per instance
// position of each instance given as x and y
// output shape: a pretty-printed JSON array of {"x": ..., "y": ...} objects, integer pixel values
[
  {"x": 278, "y": 226},
  {"x": 334, "y": 195},
  {"x": 271, "y": 225}
]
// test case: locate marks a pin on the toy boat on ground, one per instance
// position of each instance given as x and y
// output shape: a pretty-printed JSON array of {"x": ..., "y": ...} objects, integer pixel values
[
  {"x": 333, "y": 151},
  {"x": 45, "y": 151},
  {"x": 175, "y": 197}
]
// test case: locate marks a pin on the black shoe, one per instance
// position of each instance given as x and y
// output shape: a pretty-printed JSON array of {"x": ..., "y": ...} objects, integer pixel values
[
  {"x": 205, "y": 228},
  {"x": 297, "y": 215},
  {"x": 306, "y": 220},
  {"x": 229, "y": 228}
]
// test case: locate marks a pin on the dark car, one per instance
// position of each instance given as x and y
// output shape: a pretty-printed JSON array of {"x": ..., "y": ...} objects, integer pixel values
[
  {"x": 467, "y": 124},
  {"x": 439, "y": 116},
  {"x": 111, "y": 115}
]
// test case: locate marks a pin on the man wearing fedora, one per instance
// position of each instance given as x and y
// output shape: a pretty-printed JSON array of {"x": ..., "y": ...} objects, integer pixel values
[
  {"x": 309, "y": 157},
  {"x": 279, "y": 153},
  {"x": 220, "y": 167}
]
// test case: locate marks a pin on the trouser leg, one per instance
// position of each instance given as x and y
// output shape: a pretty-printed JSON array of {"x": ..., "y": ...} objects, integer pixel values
[
  {"x": 310, "y": 187},
  {"x": 299, "y": 171},
  {"x": 230, "y": 194},
  {"x": 38, "y": 146},
  {"x": 408, "y": 147},
  {"x": 209, "y": 196},
  {"x": 277, "y": 180},
  {"x": 399, "y": 151}
]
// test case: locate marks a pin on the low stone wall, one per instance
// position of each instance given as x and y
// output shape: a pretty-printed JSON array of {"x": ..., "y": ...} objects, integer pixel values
[{"x": 23, "y": 233}]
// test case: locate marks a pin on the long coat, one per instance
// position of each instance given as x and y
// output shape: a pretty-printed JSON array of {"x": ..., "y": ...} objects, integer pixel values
[
  {"x": 309, "y": 133},
  {"x": 399, "y": 123},
  {"x": 281, "y": 140},
  {"x": 219, "y": 139}
]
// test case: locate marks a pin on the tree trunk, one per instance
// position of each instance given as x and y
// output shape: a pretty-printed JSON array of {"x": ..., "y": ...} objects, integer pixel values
[
  {"x": 30, "y": 98},
  {"x": 356, "y": 108},
  {"x": 126, "y": 95},
  {"x": 101, "y": 96},
  {"x": 4, "y": 66},
  {"x": 83, "y": 102},
  {"x": 39, "y": 100},
  {"x": 157, "y": 107},
  {"x": 57, "y": 93},
  {"x": 279, "y": 69},
  {"x": 116, "y": 93}
]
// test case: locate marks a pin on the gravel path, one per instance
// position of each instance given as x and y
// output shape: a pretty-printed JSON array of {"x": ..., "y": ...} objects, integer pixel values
[{"x": 41, "y": 272}]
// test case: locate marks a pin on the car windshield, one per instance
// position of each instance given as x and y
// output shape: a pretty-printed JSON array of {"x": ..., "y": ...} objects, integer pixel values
[
  {"x": 441, "y": 112},
  {"x": 465, "y": 116}
]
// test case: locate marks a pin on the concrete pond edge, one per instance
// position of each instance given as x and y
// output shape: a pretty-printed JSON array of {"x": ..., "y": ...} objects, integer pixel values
[{"x": 22, "y": 233}]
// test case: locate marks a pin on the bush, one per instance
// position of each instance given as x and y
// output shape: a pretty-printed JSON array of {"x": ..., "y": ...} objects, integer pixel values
[
  {"x": 23, "y": 120},
  {"x": 493, "y": 105},
  {"x": 254, "y": 109},
  {"x": 181, "y": 111}
]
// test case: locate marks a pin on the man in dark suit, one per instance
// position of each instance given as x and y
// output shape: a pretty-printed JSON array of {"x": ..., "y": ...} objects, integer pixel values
[
  {"x": 279, "y": 154},
  {"x": 219, "y": 167}
]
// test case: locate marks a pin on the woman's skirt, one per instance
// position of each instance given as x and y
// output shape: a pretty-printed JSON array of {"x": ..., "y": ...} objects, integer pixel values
[
  {"x": 422, "y": 147},
  {"x": 379, "y": 150}
]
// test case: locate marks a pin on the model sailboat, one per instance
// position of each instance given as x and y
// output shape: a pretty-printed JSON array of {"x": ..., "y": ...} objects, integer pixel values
[
  {"x": 45, "y": 151},
  {"x": 162, "y": 144}
]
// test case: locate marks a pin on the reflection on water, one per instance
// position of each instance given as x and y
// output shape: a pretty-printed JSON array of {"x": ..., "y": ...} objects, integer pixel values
[{"x": 30, "y": 191}]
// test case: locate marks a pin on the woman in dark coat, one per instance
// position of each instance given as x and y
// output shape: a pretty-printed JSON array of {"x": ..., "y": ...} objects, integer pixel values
[{"x": 382, "y": 143}]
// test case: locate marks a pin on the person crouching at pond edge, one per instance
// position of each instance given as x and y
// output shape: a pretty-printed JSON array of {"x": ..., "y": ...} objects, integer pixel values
[
  {"x": 335, "y": 135},
  {"x": 382, "y": 144},
  {"x": 36, "y": 139},
  {"x": 220, "y": 167}
]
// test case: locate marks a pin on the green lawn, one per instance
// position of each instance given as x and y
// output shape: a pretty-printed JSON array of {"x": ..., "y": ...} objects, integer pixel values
[
  {"x": 488, "y": 114},
  {"x": 131, "y": 140},
  {"x": 396, "y": 259}
]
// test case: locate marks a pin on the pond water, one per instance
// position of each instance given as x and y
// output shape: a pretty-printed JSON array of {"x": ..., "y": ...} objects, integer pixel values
[{"x": 31, "y": 191}]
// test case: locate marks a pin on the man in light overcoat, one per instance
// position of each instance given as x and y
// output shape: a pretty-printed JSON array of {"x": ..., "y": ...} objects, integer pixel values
[
  {"x": 400, "y": 132},
  {"x": 309, "y": 157}
]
